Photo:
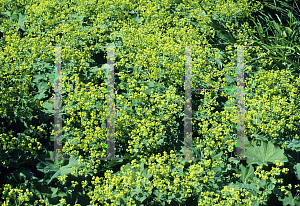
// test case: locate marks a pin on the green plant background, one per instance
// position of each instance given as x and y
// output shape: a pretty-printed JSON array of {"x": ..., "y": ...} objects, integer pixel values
[{"x": 149, "y": 102}]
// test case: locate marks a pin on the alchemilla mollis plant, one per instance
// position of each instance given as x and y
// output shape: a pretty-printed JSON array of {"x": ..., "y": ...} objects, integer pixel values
[{"x": 149, "y": 105}]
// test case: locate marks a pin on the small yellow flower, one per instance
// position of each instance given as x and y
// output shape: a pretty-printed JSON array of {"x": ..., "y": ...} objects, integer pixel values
[{"x": 62, "y": 201}]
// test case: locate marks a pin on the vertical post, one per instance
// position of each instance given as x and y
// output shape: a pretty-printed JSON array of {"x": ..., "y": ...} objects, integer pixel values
[
  {"x": 240, "y": 149},
  {"x": 188, "y": 131},
  {"x": 110, "y": 106},
  {"x": 240, "y": 146},
  {"x": 57, "y": 108}
]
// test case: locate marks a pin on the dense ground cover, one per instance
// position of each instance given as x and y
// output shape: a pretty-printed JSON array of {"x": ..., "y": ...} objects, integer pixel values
[{"x": 149, "y": 79}]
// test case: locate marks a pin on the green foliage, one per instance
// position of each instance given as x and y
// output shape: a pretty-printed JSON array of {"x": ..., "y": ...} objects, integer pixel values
[
  {"x": 264, "y": 153},
  {"x": 149, "y": 98},
  {"x": 276, "y": 30}
]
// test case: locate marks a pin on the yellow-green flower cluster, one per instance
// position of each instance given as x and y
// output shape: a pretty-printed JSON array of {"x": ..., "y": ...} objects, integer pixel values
[
  {"x": 15, "y": 196},
  {"x": 271, "y": 106},
  {"x": 160, "y": 177},
  {"x": 10, "y": 143}
]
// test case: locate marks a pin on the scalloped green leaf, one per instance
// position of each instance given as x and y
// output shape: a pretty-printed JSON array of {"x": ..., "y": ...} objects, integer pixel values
[
  {"x": 48, "y": 108},
  {"x": 297, "y": 170},
  {"x": 247, "y": 172},
  {"x": 264, "y": 154},
  {"x": 67, "y": 169},
  {"x": 288, "y": 200},
  {"x": 22, "y": 20}
]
